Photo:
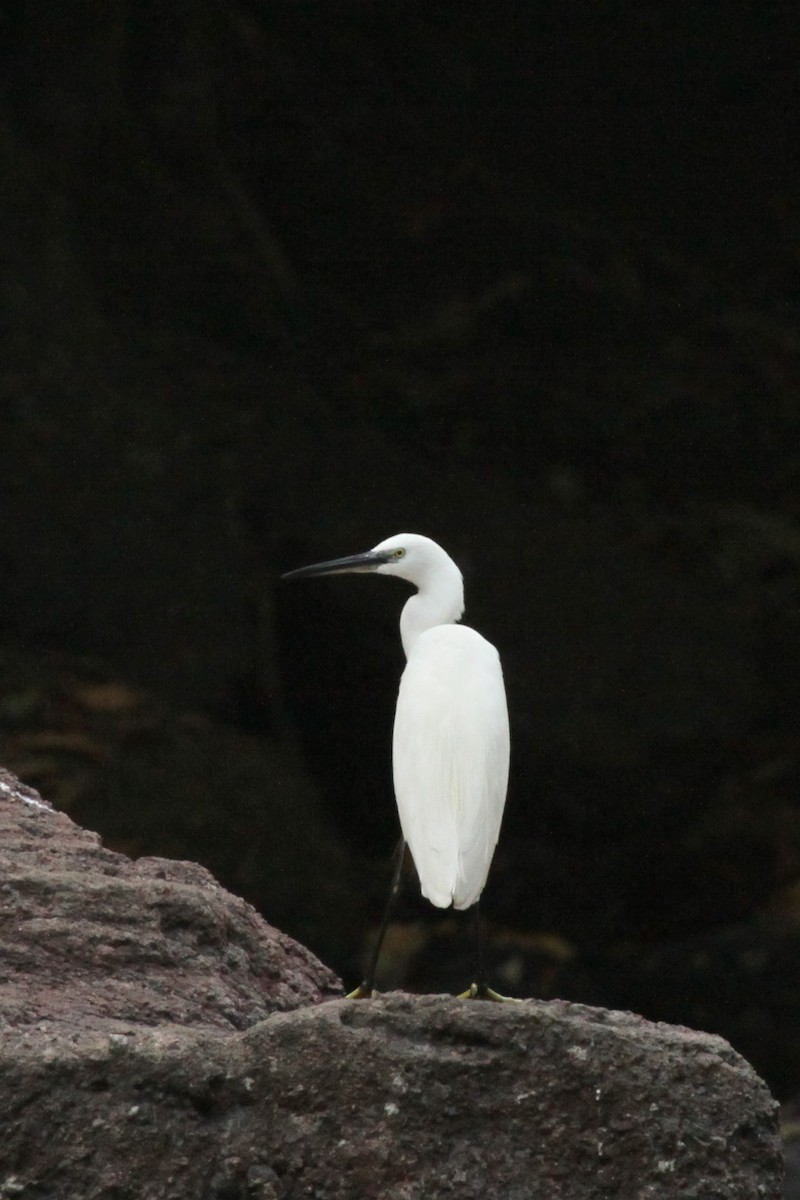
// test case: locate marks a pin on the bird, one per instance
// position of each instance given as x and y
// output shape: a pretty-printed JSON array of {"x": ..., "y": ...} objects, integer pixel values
[{"x": 451, "y": 742}]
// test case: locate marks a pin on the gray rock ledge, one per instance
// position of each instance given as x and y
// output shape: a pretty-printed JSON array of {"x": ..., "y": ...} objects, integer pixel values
[{"x": 159, "y": 1041}]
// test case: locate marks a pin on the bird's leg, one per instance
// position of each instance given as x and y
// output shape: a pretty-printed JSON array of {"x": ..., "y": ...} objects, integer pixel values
[
  {"x": 477, "y": 990},
  {"x": 366, "y": 990},
  {"x": 480, "y": 990}
]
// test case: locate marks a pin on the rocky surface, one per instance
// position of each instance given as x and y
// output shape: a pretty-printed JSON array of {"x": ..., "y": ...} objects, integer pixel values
[
  {"x": 402, "y": 1098},
  {"x": 91, "y": 940},
  {"x": 161, "y": 1041}
]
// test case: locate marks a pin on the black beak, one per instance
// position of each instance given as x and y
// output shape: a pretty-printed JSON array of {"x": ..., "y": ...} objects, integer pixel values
[{"x": 342, "y": 566}]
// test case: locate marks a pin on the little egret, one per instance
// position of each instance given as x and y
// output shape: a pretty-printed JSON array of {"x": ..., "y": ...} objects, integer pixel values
[{"x": 451, "y": 738}]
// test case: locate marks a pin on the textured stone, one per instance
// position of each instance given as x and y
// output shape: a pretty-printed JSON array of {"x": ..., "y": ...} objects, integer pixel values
[
  {"x": 90, "y": 938},
  {"x": 161, "y": 1042}
]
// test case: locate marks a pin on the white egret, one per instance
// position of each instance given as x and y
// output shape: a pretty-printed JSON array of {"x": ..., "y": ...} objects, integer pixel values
[{"x": 451, "y": 737}]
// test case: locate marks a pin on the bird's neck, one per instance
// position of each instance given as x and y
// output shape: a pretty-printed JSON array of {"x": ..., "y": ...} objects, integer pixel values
[{"x": 439, "y": 603}]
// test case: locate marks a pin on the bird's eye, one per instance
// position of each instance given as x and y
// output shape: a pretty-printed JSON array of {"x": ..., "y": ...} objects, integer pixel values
[{"x": 399, "y": 553}]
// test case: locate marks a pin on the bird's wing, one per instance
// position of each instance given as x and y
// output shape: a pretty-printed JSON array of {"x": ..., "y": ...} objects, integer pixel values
[{"x": 451, "y": 751}]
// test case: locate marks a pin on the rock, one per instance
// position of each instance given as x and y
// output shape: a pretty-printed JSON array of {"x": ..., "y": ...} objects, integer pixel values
[
  {"x": 162, "y": 1042},
  {"x": 399, "y": 1098},
  {"x": 94, "y": 940}
]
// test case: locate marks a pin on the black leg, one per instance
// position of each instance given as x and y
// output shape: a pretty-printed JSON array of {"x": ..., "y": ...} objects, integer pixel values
[
  {"x": 481, "y": 979},
  {"x": 480, "y": 990},
  {"x": 364, "y": 992}
]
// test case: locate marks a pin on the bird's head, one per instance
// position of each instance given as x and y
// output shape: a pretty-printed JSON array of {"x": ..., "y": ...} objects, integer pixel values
[{"x": 410, "y": 556}]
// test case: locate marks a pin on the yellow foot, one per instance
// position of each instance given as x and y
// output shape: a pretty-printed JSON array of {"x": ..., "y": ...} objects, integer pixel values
[
  {"x": 477, "y": 991},
  {"x": 362, "y": 993}
]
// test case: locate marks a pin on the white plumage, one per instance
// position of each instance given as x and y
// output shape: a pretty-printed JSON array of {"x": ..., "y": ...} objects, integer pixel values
[
  {"x": 451, "y": 739},
  {"x": 451, "y": 752}
]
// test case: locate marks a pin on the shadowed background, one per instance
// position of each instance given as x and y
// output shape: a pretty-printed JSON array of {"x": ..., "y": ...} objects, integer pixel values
[{"x": 279, "y": 281}]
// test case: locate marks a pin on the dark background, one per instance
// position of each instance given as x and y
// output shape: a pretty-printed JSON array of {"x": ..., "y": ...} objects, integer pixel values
[{"x": 281, "y": 280}]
